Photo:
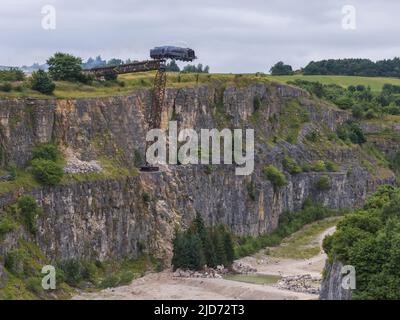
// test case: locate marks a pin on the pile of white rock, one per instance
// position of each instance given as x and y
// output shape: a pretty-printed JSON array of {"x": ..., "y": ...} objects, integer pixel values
[
  {"x": 216, "y": 273},
  {"x": 75, "y": 165},
  {"x": 300, "y": 283},
  {"x": 239, "y": 267}
]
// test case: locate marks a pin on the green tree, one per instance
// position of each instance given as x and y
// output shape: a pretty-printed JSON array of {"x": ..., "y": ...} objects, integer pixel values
[
  {"x": 220, "y": 247},
  {"x": 280, "y": 69},
  {"x": 172, "y": 67},
  {"x": 5, "y": 86},
  {"x": 46, "y": 151},
  {"x": 229, "y": 246},
  {"x": 13, "y": 74},
  {"x": 41, "y": 82},
  {"x": 47, "y": 172},
  {"x": 64, "y": 66}
]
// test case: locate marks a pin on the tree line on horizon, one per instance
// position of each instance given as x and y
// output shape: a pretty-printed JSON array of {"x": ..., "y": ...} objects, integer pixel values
[
  {"x": 67, "y": 67},
  {"x": 344, "y": 67}
]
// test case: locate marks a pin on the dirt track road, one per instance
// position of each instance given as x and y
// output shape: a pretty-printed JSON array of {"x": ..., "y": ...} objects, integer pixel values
[{"x": 161, "y": 286}]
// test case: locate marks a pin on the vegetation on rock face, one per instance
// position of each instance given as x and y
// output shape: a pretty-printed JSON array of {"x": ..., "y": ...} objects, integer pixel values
[
  {"x": 23, "y": 267},
  {"x": 47, "y": 172},
  {"x": 7, "y": 224},
  {"x": 291, "y": 119},
  {"x": 291, "y": 166},
  {"x": 318, "y": 166},
  {"x": 275, "y": 176},
  {"x": 351, "y": 131},
  {"x": 323, "y": 183},
  {"x": 289, "y": 223},
  {"x": 369, "y": 240},
  {"x": 199, "y": 246},
  {"x": 46, "y": 151},
  {"x": 359, "y": 99},
  {"x": 29, "y": 211},
  {"x": 46, "y": 166}
]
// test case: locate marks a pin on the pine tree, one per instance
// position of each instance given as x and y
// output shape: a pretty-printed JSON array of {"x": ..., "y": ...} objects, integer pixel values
[
  {"x": 41, "y": 82},
  {"x": 195, "y": 257},
  {"x": 207, "y": 245},
  {"x": 228, "y": 244},
  {"x": 178, "y": 258}
]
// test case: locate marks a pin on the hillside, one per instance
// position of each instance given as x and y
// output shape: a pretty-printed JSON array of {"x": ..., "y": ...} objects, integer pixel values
[
  {"x": 128, "y": 82},
  {"x": 376, "y": 83},
  {"x": 96, "y": 216}
]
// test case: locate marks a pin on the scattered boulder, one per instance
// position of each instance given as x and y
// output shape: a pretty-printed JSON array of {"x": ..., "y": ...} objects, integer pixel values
[
  {"x": 239, "y": 267},
  {"x": 205, "y": 273},
  {"x": 75, "y": 165},
  {"x": 301, "y": 283}
]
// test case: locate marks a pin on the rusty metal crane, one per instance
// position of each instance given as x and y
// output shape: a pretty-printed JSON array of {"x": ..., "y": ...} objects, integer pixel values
[{"x": 160, "y": 55}]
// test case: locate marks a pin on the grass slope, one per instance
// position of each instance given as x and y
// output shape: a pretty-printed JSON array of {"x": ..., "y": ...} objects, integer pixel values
[
  {"x": 128, "y": 82},
  {"x": 376, "y": 83},
  {"x": 304, "y": 244}
]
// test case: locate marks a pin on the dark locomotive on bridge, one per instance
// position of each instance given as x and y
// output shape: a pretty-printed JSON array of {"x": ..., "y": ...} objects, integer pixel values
[{"x": 175, "y": 53}]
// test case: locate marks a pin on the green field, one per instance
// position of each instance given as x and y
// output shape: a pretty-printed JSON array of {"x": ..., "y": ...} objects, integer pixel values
[
  {"x": 376, "y": 84},
  {"x": 129, "y": 82}
]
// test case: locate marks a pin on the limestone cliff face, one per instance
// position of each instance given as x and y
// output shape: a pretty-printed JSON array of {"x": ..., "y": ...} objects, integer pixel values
[
  {"x": 111, "y": 218},
  {"x": 331, "y": 286}
]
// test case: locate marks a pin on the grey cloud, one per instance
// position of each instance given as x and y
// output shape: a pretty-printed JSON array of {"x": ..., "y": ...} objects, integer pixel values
[{"x": 230, "y": 36}]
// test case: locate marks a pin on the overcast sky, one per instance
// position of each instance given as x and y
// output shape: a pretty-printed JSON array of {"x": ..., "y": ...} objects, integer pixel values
[{"x": 230, "y": 36}]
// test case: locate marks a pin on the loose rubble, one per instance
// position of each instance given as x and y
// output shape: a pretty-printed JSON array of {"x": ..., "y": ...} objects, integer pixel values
[
  {"x": 7, "y": 177},
  {"x": 75, "y": 165},
  {"x": 301, "y": 283},
  {"x": 239, "y": 267},
  {"x": 216, "y": 273}
]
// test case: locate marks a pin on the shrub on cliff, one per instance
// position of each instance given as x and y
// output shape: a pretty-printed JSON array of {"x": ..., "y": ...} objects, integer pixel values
[
  {"x": 46, "y": 171},
  {"x": 41, "y": 82},
  {"x": 331, "y": 166},
  {"x": 46, "y": 151},
  {"x": 29, "y": 211},
  {"x": 323, "y": 183},
  {"x": 351, "y": 131},
  {"x": 275, "y": 176},
  {"x": 318, "y": 166},
  {"x": 6, "y": 225},
  {"x": 291, "y": 165}
]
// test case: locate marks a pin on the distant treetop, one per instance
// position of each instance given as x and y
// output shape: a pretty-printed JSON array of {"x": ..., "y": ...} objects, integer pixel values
[
  {"x": 354, "y": 67},
  {"x": 281, "y": 69}
]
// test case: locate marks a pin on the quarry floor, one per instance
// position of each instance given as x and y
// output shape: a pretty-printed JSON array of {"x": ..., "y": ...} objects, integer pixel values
[{"x": 163, "y": 286}]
